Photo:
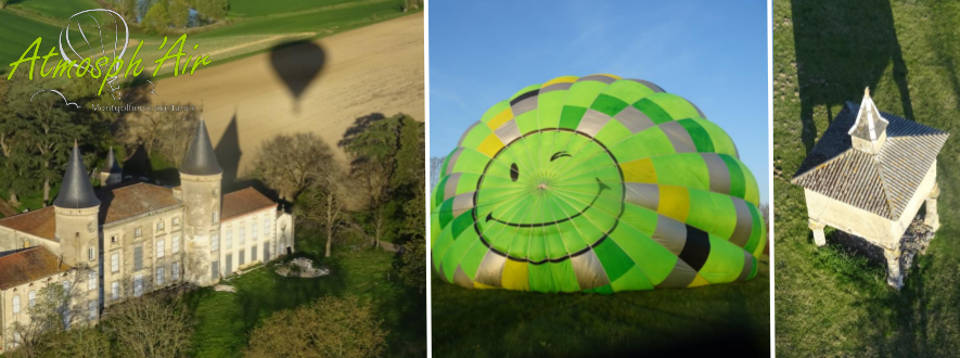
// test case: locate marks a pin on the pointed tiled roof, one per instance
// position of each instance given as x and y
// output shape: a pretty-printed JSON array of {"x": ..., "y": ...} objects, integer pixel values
[
  {"x": 200, "y": 159},
  {"x": 113, "y": 165},
  {"x": 869, "y": 124},
  {"x": 882, "y": 183},
  {"x": 76, "y": 191}
]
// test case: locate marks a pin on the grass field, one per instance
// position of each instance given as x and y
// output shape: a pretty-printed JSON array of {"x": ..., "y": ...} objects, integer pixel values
[
  {"x": 252, "y": 27},
  {"x": 830, "y": 301},
  {"x": 225, "y": 320},
  {"x": 492, "y": 323}
]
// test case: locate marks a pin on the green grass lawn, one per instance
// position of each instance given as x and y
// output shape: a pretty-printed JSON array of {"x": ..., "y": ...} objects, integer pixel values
[
  {"x": 489, "y": 323},
  {"x": 225, "y": 320},
  {"x": 830, "y": 301}
]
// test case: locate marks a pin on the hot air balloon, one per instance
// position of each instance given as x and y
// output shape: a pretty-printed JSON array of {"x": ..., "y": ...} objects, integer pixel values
[{"x": 595, "y": 184}]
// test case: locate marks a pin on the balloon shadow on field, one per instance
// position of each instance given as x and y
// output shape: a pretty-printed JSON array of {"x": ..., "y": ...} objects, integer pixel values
[
  {"x": 297, "y": 64},
  {"x": 841, "y": 48}
]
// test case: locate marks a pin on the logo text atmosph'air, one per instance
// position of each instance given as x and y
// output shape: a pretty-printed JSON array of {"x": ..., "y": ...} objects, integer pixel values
[{"x": 93, "y": 44}]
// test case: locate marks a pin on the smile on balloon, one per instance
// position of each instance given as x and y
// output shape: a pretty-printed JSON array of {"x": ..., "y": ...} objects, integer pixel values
[{"x": 600, "y": 188}]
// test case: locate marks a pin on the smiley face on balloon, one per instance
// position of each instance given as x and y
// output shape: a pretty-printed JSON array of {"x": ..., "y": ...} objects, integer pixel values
[{"x": 597, "y": 184}]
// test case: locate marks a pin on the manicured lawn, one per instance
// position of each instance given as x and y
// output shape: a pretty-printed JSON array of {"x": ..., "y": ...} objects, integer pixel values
[
  {"x": 831, "y": 301},
  {"x": 226, "y": 319},
  {"x": 491, "y": 323}
]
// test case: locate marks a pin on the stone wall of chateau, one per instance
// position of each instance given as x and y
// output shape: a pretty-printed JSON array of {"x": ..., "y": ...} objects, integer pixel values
[
  {"x": 202, "y": 203},
  {"x": 142, "y": 254},
  {"x": 29, "y": 293}
]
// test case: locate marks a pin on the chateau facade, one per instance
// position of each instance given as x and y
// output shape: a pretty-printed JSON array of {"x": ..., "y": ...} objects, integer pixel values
[{"x": 127, "y": 239}]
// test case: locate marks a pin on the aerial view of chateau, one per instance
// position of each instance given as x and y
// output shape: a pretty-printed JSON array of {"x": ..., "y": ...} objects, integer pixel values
[{"x": 130, "y": 237}]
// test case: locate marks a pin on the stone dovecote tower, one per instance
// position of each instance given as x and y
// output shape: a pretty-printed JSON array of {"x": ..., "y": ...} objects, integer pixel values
[
  {"x": 200, "y": 176},
  {"x": 77, "y": 211},
  {"x": 111, "y": 173}
]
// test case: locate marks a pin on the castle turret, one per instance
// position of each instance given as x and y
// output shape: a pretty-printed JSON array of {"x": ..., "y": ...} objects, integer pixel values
[
  {"x": 77, "y": 210},
  {"x": 869, "y": 132},
  {"x": 200, "y": 176},
  {"x": 111, "y": 173}
]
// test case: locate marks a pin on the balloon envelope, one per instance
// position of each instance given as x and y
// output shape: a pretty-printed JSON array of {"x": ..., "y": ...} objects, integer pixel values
[{"x": 597, "y": 184}]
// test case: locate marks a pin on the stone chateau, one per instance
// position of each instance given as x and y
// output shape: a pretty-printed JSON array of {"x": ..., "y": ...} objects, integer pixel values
[{"x": 128, "y": 238}]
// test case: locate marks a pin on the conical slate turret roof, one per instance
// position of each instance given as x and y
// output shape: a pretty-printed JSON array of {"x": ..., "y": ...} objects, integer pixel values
[
  {"x": 200, "y": 159},
  {"x": 76, "y": 191},
  {"x": 113, "y": 165}
]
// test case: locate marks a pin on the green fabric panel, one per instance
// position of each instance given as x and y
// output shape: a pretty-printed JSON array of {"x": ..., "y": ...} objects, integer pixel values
[
  {"x": 608, "y": 105},
  {"x": 571, "y": 116},
  {"x": 439, "y": 244},
  {"x": 603, "y": 290},
  {"x": 445, "y": 213},
  {"x": 456, "y": 252},
  {"x": 446, "y": 160},
  {"x": 752, "y": 194},
  {"x": 612, "y": 132},
  {"x": 653, "y": 111},
  {"x": 564, "y": 277},
  {"x": 713, "y": 213},
  {"x": 541, "y": 278},
  {"x": 476, "y": 136},
  {"x": 724, "y": 263},
  {"x": 471, "y": 261},
  {"x": 649, "y": 143},
  {"x": 675, "y": 106},
  {"x": 467, "y": 183},
  {"x": 738, "y": 185},
  {"x": 758, "y": 232},
  {"x": 633, "y": 279},
  {"x": 699, "y": 135},
  {"x": 527, "y": 121},
  {"x": 438, "y": 191},
  {"x": 549, "y": 107},
  {"x": 615, "y": 262},
  {"x": 682, "y": 169},
  {"x": 582, "y": 94},
  {"x": 633, "y": 237},
  {"x": 754, "y": 269},
  {"x": 536, "y": 250},
  {"x": 471, "y": 161},
  {"x": 524, "y": 90},
  {"x": 627, "y": 91},
  {"x": 494, "y": 110},
  {"x": 462, "y": 222},
  {"x": 722, "y": 144}
]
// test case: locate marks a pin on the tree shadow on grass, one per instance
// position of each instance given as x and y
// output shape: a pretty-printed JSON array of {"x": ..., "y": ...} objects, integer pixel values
[{"x": 842, "y": 47}]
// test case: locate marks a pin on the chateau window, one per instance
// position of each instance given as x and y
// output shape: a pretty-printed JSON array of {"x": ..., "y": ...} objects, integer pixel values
[
  {"x": 90, "y": 254},
  {"x": 66, "y": 286},
  {"x": 31, "y": 298},
  {"x": 115, "y": 290},
  {"x": 229, "y": 268},
  {"x": 266, "y": 224},
  {"x": 176, "y": 221},
  {"x": 114, "y": 239},
  {"x": 228, "y": 238},
  {"x": 214, "y": 242},
  {"x": 115, "y": 262},
  {"x": 266, "y": 251},
  {"x": 253, "y": 253},
  {"x": 175, "y": 244},
  {"x": 160, "y": 249},
  {"x": 240, "y": 259},
  {"x": 242, "y": 233},
  {"x": 214, "y": 217},
  {"x": 159, "y": 275},
  {"x": 138, "y": 285},
  {"x": 137, "y": 232},
  {"x": 215, "y": 270},
  {"x": 138, "y": 258},
  {"x": 16, "y": 304},
  {"x": 160, "y": 225},
  {"x": 253, "y": 229},
  {"x": 175, "y": 271},
  {"x": 92, "y": 308},
  {"x": 91, "y": 280}
]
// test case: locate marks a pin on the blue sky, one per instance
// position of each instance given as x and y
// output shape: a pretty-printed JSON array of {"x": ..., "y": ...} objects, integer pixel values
[{"x": 714, "y": 53}]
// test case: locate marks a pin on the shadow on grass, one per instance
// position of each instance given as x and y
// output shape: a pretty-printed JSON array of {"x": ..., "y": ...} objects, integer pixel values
[{"x": 842, "y": 47}]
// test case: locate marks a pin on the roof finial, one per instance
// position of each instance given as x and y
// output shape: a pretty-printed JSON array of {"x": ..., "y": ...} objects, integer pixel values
[{"x": 866, "y": 91}]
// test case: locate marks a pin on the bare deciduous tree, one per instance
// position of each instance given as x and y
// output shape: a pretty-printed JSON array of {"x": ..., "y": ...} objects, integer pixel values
[
  {"x": 167, "y": 132},
  {"x": 322, "y": 203},
  {"x": 291, "y": 163},
  {"x": 149, "y": 327}
]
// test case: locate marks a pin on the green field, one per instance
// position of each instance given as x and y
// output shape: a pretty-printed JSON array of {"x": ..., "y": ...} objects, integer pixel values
[
  {"x": 251, "y": 27},
  {"x": 831, "y": 301},
  {"x": 225, "y": 320},
  {"x": 492, "y": 323}
]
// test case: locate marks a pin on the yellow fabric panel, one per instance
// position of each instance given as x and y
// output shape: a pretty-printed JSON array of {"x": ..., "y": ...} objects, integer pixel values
[
  {"x": 698, "y": 281},
  {"x": 562, "y": 79},
  {"x": 515, "y": 276},
  {"x": 482, "y": 286},
  {"x": 639, "y": 171},
  {"x": 490, "y": 145},
  {"x": 500, "y": 118},
  {"x": 674, "y": 202}
]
